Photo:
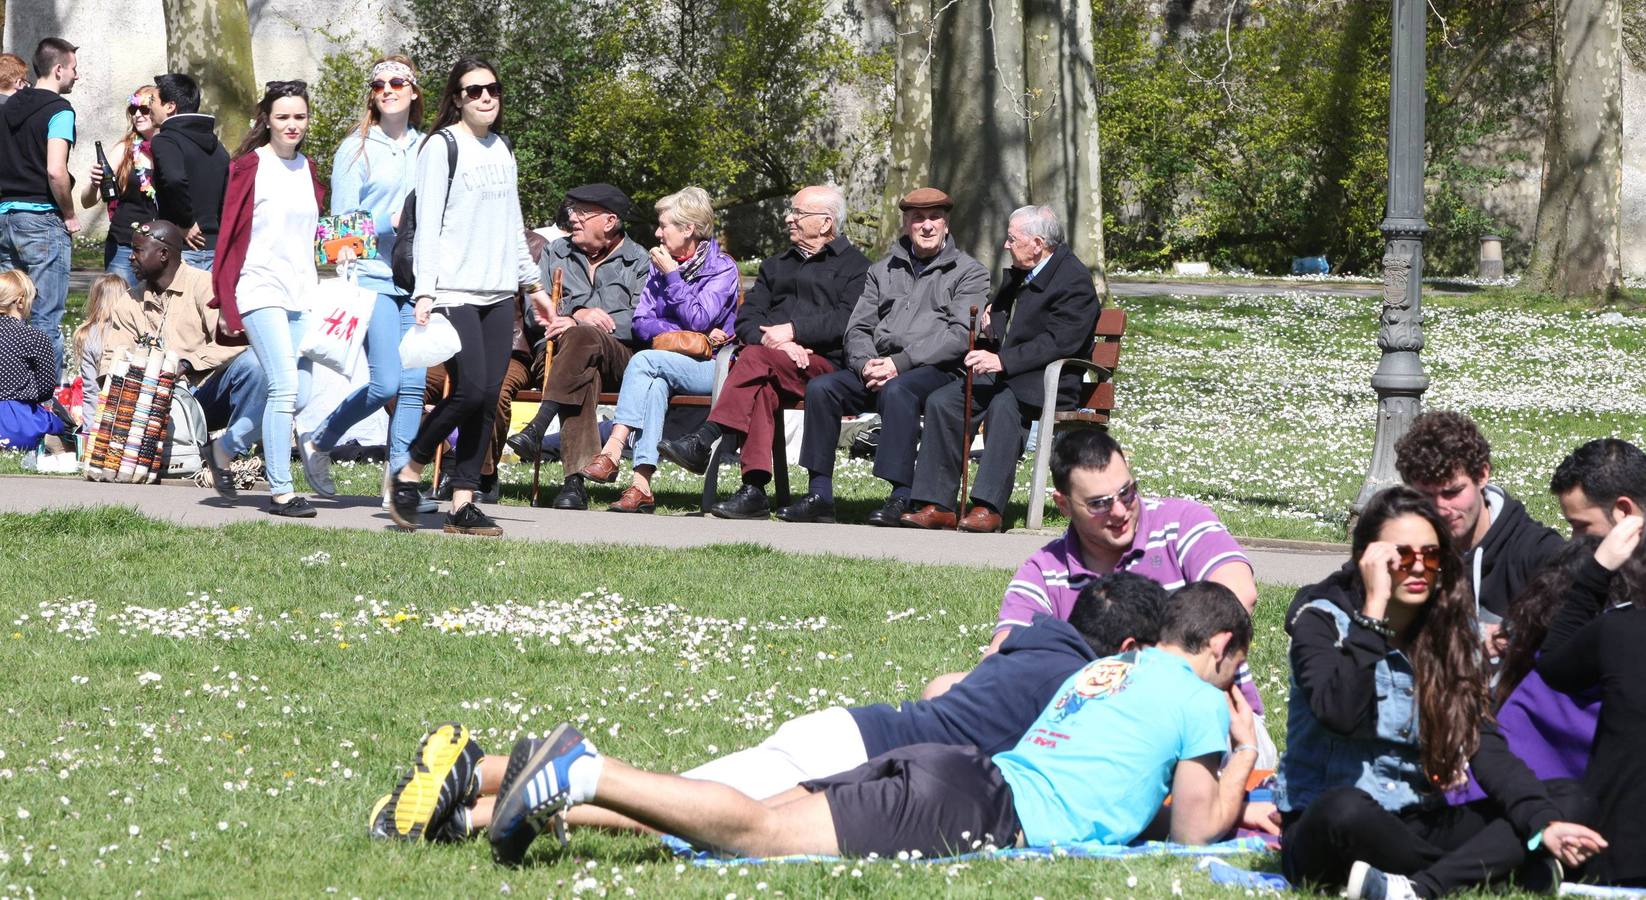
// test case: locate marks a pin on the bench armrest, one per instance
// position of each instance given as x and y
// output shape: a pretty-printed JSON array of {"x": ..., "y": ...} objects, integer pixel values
[{"x": 722, "y": 368}]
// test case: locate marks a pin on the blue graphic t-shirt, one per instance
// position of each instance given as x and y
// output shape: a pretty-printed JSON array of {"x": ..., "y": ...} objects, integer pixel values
[{"x": 1098, "y": 762}]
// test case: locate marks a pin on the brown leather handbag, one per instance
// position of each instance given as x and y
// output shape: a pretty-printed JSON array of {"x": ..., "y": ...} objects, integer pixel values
[{"x": 694, "y": 344}]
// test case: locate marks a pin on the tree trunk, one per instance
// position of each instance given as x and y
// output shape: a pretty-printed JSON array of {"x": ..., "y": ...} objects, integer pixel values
[
  {"x": 1065, "y": 170},
  {"x": 1576, "y": 251},
  {"x": 210, "y": 40},
  {"x": 980, "y": 119},
  {"x": 911, "y": 143}
]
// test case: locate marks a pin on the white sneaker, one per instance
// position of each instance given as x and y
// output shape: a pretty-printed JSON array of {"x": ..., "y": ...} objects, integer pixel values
[
  {"x": 1367, "y": 883},
  {"x": 58, "y": 464}
]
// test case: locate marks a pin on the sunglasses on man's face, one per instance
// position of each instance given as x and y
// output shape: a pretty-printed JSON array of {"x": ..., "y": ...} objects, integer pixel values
[
  {"x": 1428, "y": 554},
  {"x": 473, "y": 91},
  {"x": 399, "y": 84}
]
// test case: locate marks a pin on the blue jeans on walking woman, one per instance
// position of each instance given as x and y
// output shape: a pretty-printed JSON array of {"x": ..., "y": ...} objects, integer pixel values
[
  {"x": 648, "y": 382},
  {"x": 275, "y": 336},
  {"x": 391, "y": 318}
]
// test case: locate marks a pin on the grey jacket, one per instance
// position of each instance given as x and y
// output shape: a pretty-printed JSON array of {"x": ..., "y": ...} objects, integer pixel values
[
  {"x": 916, "y": 320},
  {"x": 616, "y": 288}
]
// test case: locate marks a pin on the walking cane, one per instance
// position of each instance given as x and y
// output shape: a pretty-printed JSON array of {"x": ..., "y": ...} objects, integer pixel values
[
  {"x": 548, "y": 356},
  {"x": 966, "y": 430}
]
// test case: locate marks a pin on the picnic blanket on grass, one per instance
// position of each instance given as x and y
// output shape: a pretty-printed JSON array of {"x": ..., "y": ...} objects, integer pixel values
[{"x": 1091, "y": 850}]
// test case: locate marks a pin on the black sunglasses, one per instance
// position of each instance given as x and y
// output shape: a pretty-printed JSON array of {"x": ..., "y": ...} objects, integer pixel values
[
  {"x": 134, "y": 110},
  {"x": 474, "y": 91},
  {"x": 398, "y": 83},
  {"x": 286, "y": 88}
]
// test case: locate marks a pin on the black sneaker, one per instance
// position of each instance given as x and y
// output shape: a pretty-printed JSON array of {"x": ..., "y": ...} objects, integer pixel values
[
  {"x": 405, "y": 502},
  {"x": 891, "y": 515},
  {"x": 748, "y": 503},
  {"x": 689, "y": 453},
  {"x": 468, "y": 519},
  {"x": 572, "y": 495},
  {"x": 222, "y": 480},
  {"x": 297, "y": 507},
  {"x": 444, "y": 777},
  {"x": 526, "y": 443},
  {"x": 809, "y": 508}
]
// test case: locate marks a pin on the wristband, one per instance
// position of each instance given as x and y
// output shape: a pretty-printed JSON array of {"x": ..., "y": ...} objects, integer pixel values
[
  {"x": 533, "y": 288},
  {"x": 1379, "y": 626},
  {"x": 1535, "y": 842},
  {"x": 1240, "y": 747}
]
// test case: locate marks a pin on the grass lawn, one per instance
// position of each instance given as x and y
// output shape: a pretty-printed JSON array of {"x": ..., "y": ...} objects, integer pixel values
[
  {"x": 1261, "y": 406},
  {"x": 218, "y": 717}
]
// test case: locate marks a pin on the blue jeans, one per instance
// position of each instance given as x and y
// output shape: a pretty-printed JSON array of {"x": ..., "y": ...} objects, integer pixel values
[
  {"x": 233, "y": 398},
  {"x": 275, "y": 334},
  {"x": 200, "y": 259},
  {"x": 391, "y": 318},
  {"x": 37, "y": 243},
  {"x": 117, "y": 260},
  {"x": 651, "y": 377}
]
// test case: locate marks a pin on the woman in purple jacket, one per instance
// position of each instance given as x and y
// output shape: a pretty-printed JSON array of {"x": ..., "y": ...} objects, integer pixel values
[{"x": 692, "y": 287}]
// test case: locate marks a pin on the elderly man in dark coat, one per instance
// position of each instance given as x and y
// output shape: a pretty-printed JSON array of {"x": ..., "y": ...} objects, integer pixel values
[{"x": 1045, "y": 310}]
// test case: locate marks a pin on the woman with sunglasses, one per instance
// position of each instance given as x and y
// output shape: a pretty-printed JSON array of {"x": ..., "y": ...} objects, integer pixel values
[
  {"x": 374, "y": 170},
  {"x": 265, "y": 269},
  {"x": 133, "y": 172},
  {"x": 1389, "y": 708},
  {"x": 470, "y": 258}
]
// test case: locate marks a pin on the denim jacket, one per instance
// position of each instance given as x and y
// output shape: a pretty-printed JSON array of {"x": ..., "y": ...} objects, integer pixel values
[{"x": 1378, "y": 754}]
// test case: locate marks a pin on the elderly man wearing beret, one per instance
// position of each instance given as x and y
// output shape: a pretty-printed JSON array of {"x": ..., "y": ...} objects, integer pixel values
[
  {"x": 905, "y": 339},
  {"x": 602, "y": 275}
]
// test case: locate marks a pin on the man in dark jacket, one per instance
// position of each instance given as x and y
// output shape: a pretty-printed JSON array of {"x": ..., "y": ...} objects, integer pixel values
[
  {"x": 36, "y": 204},
  {"x": 1445, "y": 456},
  {"x": 1045, "y": 310},
  {"x": 792, "y": 326},
  {"x": 191, "y": 167}
]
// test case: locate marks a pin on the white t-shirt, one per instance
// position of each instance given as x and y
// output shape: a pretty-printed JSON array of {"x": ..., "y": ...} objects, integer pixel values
[{"x": 279, "y": 268}]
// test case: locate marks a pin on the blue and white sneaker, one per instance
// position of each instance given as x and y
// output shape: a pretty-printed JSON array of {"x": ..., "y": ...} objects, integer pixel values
[
  {"x": 1367, "y": 883},
  {"x": 537, "y": 794}
]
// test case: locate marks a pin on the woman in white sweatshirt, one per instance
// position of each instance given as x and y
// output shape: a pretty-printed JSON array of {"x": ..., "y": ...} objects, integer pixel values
[{"x": 469, "y": 257}]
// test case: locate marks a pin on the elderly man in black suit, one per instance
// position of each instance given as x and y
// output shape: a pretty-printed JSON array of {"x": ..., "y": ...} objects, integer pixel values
[{"x": 1045, "y": 310}]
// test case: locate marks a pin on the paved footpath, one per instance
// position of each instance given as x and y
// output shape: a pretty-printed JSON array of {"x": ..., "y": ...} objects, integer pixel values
[{"x": 190, "y": 505}]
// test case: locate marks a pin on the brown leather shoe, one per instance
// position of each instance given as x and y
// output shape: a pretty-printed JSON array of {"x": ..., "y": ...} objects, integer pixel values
[
  {"x": 601, "y": 470},
  {"x": 931, "y": 517},
  {"x": 981, "y": 520},
  {"x": 634, "y": 500}
]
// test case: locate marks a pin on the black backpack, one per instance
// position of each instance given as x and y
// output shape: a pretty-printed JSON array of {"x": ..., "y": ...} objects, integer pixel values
[{"x": 400, "y": 259}]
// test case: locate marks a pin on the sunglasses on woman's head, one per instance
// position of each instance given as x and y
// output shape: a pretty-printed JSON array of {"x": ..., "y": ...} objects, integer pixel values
[
  {"x": 286, "y": 88},
  {"x": 1429, "y": 554},
  {"x": 473, "y": 91},
  {"x": 399, "y": 84}
]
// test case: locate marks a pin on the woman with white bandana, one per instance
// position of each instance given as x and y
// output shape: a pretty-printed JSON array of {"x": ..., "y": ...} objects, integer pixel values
[{"x": 374, "y": 170}]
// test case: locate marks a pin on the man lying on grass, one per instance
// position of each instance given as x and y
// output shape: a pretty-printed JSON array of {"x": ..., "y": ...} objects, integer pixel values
[
  {"x": 990, "y": 710},
  {"x": 1095, "y": 766}
]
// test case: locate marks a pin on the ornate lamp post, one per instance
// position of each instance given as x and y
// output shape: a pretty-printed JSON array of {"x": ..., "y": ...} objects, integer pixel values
[{"x": 1399, "y": 379}]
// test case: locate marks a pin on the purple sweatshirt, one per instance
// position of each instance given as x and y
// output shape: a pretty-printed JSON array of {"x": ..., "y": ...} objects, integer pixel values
[
  {"x": 699, "y": 296},
  {"x": 1552, "y": 732}
]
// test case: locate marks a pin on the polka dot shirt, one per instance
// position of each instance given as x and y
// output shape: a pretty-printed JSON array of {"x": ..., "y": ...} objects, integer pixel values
[{"x": 26, "y": 372}]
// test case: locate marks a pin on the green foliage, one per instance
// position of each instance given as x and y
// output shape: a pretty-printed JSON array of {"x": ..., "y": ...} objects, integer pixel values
[
  {"x": 1274, "y": 144},
  {"x": 653, "y": 95},
  {"x": 337, "y": 100}
]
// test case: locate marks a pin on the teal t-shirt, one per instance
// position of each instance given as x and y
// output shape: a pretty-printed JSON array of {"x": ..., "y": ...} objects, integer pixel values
[
  {"x": 60, "y": 127},
  {"x": 1098, "y": 762}
]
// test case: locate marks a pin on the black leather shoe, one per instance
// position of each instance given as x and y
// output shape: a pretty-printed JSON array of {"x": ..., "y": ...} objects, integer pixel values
[
  {"x": 443, "y": 490},
  {"x": 526, "y": 443},
  {"x": 748, "y": 503},
  {"x": 689, "y": 453},
  {"x": 572, "y": 495},
  {"x": 809, "y": 508},
  {"x": 890, "y": 515},
  {"x": 490, "y": 491}
]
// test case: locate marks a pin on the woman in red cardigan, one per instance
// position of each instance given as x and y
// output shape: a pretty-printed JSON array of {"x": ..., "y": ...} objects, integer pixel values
[{"x": 265, "y": 268}]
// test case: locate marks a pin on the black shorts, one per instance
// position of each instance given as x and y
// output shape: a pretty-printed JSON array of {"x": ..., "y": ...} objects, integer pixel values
[{"x": 937, "y": 799}]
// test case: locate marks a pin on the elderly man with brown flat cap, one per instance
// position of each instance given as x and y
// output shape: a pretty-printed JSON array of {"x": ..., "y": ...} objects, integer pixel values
[
  {"x": 905, "y": 339},
  {"x": 602, "y": 275}
]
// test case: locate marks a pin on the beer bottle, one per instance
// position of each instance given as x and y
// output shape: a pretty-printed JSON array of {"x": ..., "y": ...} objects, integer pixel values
[{"x": 106, "y": 188}]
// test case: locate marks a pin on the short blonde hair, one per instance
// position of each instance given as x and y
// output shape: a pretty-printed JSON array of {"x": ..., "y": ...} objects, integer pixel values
[
  {"x": 690, "y": 206},
  {"x": 16, "y": 294},
  {"x": 13, "y": 72}
]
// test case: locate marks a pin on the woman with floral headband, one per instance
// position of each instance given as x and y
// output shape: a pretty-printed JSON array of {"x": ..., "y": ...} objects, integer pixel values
[
  {"x": 133, "y": 172},
  {"x": 374, "y": 170}
]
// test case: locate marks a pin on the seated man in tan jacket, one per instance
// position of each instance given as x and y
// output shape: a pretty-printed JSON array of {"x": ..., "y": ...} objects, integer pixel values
[{"x": 172, "y": 302}]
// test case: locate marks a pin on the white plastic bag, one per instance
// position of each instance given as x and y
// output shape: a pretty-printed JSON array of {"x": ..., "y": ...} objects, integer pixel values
[
  {"x": 429, "y": 345},
  {"x": 339, "y": 310}
]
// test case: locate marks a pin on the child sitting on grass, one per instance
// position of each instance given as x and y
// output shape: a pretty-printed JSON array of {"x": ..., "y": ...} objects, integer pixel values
[{"x": 28, "y": 369}]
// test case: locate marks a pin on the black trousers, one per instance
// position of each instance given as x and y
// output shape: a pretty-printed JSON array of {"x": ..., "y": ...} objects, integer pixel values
[
  {"x": 476, "y": 374},
  {"x": 943, "y": 448},
  {"x": 900, "y": 403},
  {"x": 1441, "y": 850}
]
